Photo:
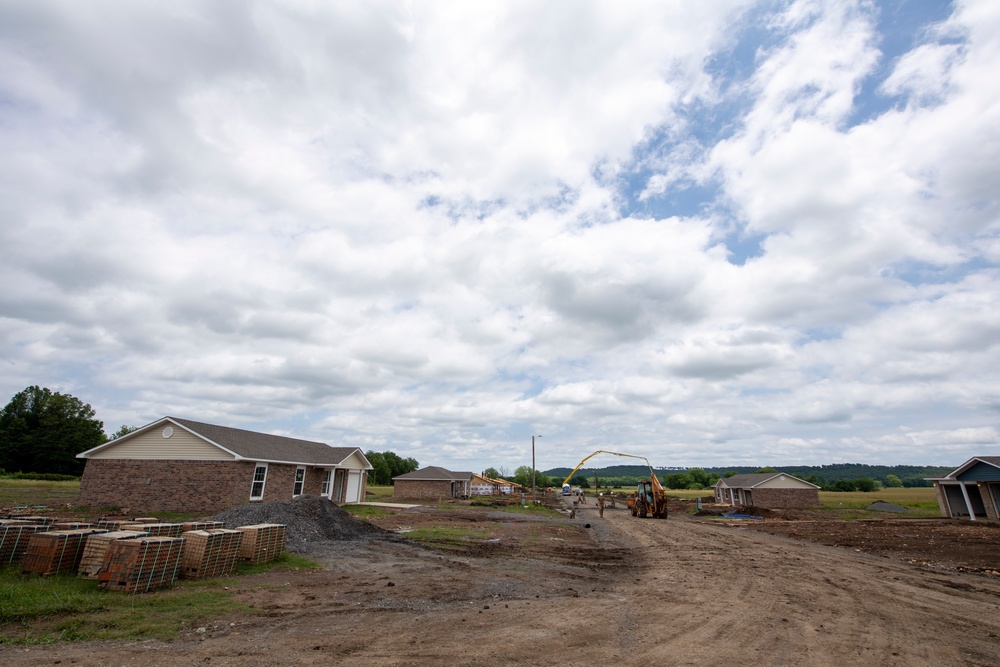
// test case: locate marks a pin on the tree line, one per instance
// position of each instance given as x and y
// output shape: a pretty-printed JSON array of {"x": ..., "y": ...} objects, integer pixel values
[{"x": 835, "y": 477}]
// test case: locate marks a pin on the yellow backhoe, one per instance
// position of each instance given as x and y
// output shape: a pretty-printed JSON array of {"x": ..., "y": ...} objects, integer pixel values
[{"x": 649, "y": 499}]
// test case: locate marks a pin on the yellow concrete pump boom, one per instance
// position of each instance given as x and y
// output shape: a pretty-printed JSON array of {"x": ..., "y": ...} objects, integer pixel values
[{"x": 656, "y": 482}]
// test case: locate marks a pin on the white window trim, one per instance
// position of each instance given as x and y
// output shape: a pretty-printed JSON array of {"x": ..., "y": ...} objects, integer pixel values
[
  {"x": 253, "y": 481},
  {"x": 326, "y": 485},
  {"x": 295, "y": 480}
]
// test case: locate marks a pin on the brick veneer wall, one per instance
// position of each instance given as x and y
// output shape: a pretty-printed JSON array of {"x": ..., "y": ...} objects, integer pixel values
[
  {"x": 785, "y": 498},
  {"x": 186, "y": 486},
  {"x": 420, "y": 488}
]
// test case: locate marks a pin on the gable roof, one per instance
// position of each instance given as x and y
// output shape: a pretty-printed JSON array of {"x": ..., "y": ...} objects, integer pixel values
[
  {"x": 974, "y": 461},
  {"x": 251, "y": 445},
  {"x": 437, "y": 474},
  {"x": 750, "y": 480}
]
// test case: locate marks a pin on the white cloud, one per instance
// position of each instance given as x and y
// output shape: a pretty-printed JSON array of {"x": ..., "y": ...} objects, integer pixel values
[{"x": 401, "y": 226}]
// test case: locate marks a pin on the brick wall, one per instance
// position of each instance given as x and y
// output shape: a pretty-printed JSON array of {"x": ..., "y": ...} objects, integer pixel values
[
  {"x": 147, "y": 486},
  {"x": 417, "y": 488},
  {"x": 206, "y": 487},
  {"x": 785, "y": 498}
]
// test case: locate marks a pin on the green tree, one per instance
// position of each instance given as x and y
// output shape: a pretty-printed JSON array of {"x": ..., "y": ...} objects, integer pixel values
[
  {"x": 698, "y": 476},
  {"x": 866, "y": 484},
  {"x": 765, "y": 469},
  {"x": 386, "y": 465},
  {"x": 42, "y": 432},
  {"x": 123, "y": 430},
  {"x": 380, "y": 474},
  {"x": 893, "y": 482},
  {"x": 844, "y": 485},
  {"x": 678, "y": 480},
  {"x": 492, "y": 473}
]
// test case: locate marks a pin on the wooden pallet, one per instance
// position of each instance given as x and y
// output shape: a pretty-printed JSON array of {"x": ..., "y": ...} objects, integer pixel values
[
  {"x": 55, "y": 551},
  {"x": 210, "y": 553},
  {"x": 262, "y": 542},
  {"x": 142, "y": 564},
  {"x": 95, "y": 550}
]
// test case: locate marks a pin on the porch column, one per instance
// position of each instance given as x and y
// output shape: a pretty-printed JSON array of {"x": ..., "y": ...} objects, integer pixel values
[{"x": 968, "y": 503}]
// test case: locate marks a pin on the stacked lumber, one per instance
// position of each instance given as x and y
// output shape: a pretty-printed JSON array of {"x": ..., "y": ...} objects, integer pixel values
[
  {"x": 210, "y": 553},
  {"x": 55, "y": 551},
  {"x": 95, "y": 550},
  {"x": 262, "y": 542},
  {"x": 14, "y": 538},
  {"x": 141, "y": 564},
  {"x": 154, "y": 529},
  {"x": 202, "y": 525}
]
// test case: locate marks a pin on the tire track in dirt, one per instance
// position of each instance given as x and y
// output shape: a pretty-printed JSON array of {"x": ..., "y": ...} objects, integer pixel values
[{"x": 714, "y": 593}]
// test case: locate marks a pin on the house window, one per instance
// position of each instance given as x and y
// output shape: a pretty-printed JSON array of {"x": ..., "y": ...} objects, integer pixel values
[
  {"x": 324, "y": 490},
  {"x": 300, "y": 478},
  {"x": 259, "y": 477}
]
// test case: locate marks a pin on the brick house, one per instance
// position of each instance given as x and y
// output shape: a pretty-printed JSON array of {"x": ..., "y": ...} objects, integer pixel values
[
  {"x": 773, "y": 490},
  {"x": 432, "y": 482},
  {"x": 179, "y": 465},
  {"x": 972, "y": 490}
]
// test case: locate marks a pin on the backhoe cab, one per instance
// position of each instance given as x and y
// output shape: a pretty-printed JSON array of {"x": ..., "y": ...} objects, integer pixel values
[{"x": 650, "y": 499}]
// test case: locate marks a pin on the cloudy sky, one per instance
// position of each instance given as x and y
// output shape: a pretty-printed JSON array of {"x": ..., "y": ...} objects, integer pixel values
[{"x": 710, "y": 233}]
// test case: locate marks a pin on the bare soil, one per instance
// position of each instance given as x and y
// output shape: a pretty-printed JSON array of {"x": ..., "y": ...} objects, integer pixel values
[{"x": 682, "y": 591}]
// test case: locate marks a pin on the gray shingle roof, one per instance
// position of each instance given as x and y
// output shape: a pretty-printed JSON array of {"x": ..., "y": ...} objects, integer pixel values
[
  {"x": 435, "y": 473},
  {"x": 266, "y": 447}
]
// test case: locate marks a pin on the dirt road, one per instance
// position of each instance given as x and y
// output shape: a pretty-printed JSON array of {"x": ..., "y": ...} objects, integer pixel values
[{"x": 626, "y": 591}]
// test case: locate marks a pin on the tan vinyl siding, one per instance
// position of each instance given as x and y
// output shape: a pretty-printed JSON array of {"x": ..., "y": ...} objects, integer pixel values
[
  {"x": 152, "y": 445},
  {"x": 786, "y": 483},
  {"x": 354, "y": 461}
]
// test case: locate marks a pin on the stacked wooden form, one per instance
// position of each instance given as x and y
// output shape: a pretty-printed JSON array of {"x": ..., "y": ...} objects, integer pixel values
[
  {"x": 142, "y": 564},
  {"x": 95, "y": 550},
  {"x": 55, "y": 551},
  {"x": 262, "y": 542},
  {"x": 210, "y": 553}
]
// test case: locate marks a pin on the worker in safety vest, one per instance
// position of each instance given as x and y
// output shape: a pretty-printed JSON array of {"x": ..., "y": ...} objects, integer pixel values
[{"x": 600, "y": 504}]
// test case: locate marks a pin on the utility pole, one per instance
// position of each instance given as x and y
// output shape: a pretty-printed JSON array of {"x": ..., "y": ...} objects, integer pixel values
[{"x": 533, "y": 469}]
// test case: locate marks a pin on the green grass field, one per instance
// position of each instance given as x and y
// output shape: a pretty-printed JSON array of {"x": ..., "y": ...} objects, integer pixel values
[
  {"x": 32, "y": 492},
  {"x": 920, "y": 502}
]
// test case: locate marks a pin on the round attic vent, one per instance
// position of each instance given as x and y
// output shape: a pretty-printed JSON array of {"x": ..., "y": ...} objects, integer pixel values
[{"x": 168, "y": 431}]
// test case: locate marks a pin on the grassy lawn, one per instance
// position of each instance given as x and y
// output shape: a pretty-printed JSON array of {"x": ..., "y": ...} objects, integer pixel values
[
  {"x": 378, "y": 494},
  {"x": 32, "y": 492},
  {"x": 920, "y": 502},
  {"x": 444, "y": 537},
  {"x": 42, "y": 610}
]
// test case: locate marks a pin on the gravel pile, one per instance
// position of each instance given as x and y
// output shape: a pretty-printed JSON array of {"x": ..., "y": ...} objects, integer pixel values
[{"x": 313, "y": 523}]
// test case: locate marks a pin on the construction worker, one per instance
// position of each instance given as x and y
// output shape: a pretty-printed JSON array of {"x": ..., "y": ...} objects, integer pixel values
[{"x": 600, "y": 504}]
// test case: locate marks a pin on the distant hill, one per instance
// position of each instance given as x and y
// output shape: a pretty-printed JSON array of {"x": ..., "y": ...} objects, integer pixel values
[{"x": 825, "y": 474}]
